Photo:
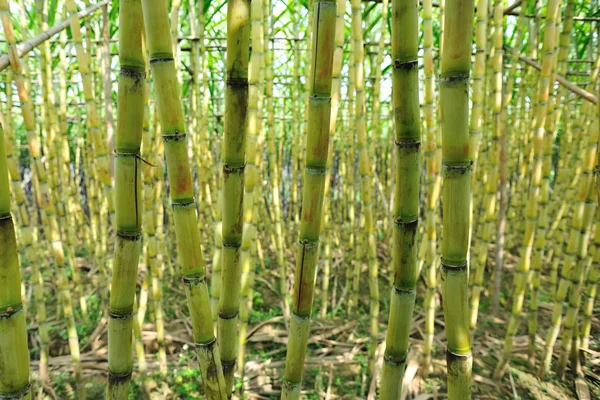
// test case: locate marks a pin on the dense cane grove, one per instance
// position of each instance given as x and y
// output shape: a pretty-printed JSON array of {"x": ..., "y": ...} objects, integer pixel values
[{"x": 311, "y": 199}]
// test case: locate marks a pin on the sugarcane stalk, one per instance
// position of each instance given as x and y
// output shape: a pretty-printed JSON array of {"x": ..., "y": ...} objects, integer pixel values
[
  {"x": 454, "y": 88},
  {"x": 315, "y": 173},
  {"x": 185, "y": 220},
  {"x": 405, "y": 212},
  {"x": 128, "y": 197}
]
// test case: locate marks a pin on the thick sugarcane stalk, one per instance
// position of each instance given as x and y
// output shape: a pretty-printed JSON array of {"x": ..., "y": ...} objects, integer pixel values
[
  {"x": 405, "y": 212},
  {"x": 181, "y": 194},
  {"x": 14, "y": 374},
  {"x": 454, "y": 89},
  {"x": 128, "y": 197},
  {"x": 315, "y": 173},
  {"x": 537, "y": 191},
  {"x": 234, "y": 161}
]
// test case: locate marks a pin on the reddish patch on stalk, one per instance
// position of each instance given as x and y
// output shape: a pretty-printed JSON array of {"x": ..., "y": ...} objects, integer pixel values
[{"x": 182, "y": 183}]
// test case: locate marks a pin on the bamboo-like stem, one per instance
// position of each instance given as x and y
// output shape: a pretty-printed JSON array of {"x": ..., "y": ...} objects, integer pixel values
[
  {"x": 234, "y": 161},
  {"x": 454, "y": 89},
  {"x": 14, "y": 375},
  {"x": 170, "y": 112},
  {"x": 128, "y": 197},
  {"x": 315, "y": 173},
  {"x": 405, "y": 212}
]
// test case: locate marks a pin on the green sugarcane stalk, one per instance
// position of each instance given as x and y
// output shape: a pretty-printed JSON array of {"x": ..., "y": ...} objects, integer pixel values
[
  {"x": 234, "y": 162},
  {"x": 14, "y": 354},
  {"x": 454, "y": 107},
  {"x": 131, "y": 103},
  {"x": 315, "y": 174},
  {"x": 405, "y": 212},
  {"x": 185, "y": 220}
]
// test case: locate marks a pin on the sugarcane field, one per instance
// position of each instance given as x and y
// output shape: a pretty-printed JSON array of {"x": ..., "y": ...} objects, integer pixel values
[{"x": 310, "y": 199}]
